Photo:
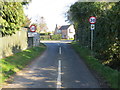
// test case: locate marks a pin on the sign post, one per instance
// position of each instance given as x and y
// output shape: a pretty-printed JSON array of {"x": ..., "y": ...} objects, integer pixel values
[{"x": 92, "y": 21}]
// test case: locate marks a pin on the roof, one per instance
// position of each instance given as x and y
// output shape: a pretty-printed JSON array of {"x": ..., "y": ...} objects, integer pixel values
[{"x": 64, "y": 27}]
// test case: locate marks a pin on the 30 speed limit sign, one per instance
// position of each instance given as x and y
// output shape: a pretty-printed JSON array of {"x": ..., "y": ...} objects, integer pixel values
[
  {"x": 32, "y": 28},
  {"x": 92, "y": 20}
]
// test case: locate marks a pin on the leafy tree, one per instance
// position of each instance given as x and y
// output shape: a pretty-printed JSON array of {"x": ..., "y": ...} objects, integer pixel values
[
  {"x": 27, "y": 22},
  {"x": 43, "y": 25},
  {"x": 106, "y": 35},
  {"x": 12, "y": 17}
]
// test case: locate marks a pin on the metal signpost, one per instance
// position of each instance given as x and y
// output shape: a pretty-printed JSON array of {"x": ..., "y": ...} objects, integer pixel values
[
  {"x": 33, "y": 36},
  {"x": 92, "y": 21}
]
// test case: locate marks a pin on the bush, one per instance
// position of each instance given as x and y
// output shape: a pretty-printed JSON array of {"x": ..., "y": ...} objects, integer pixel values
[
  {"x": 51, "y": 37},
  {"x": 56, "y": 37}
]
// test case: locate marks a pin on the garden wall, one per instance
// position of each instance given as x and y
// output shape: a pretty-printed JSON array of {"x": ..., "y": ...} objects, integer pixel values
[{"x": 13, "y": 44}]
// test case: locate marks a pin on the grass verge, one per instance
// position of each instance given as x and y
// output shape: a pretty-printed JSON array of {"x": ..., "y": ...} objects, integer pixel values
[
  {"x": 110, "y": 75},
  {"x": 11, "y": 65}
]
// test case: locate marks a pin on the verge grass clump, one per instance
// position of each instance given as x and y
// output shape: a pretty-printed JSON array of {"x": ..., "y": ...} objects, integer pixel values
[
  {"x": 12, "y": 64},
  {"x": 112, "y": 76}
]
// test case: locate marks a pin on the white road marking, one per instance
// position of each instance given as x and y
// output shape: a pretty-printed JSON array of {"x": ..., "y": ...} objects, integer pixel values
[
  {"x": 60, "y": 50},
  {"x": 59, "y": 75}
]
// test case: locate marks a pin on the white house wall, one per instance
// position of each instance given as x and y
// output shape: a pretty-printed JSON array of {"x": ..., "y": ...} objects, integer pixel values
[{"x": 71, "y": 32}]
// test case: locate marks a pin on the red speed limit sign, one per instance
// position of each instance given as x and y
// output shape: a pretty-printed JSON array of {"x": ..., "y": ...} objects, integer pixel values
[
  {"x": 32, "y": 28},
  {"x": 92, "y": 20}
]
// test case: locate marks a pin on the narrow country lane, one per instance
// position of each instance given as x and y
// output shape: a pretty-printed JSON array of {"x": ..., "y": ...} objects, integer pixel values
[
  {"x": 75, "y": 72},
  {"x": 58, "y": 67}
]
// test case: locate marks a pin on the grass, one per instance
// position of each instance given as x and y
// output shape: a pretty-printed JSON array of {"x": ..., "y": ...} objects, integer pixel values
[
  {"x": 68, "y": 39},
  {"x": 109, "y": 74},
  {"x": 11, "y": 65}
]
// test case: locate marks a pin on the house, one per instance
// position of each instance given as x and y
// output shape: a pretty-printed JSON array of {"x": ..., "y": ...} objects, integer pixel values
[{"x": 67, "y": 31}]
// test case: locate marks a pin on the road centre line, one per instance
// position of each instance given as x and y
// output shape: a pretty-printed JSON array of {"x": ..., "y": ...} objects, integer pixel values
[
  {"x": 59, "y": 75},
  {"x": 60, "y": 50}
]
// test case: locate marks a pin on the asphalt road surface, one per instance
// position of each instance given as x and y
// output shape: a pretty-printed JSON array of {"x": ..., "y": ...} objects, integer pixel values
[{"x": 58, "y": 67}]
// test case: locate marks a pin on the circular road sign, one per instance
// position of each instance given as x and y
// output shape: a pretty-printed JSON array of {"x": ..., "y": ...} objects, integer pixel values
[
  {"x": 32, "y": 28},
  {"x": 92, "y": 20}
]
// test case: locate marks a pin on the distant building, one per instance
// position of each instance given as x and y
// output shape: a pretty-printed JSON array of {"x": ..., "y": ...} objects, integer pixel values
[
  {"x": 67, "y": 31},
  {"x": 56, "y": 30}
]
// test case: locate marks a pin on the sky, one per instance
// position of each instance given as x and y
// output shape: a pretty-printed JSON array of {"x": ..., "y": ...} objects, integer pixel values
[{"x": 52, "y": 10}]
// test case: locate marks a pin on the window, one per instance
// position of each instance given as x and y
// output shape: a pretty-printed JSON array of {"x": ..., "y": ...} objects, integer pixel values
[{"x": 58, "y": 31}]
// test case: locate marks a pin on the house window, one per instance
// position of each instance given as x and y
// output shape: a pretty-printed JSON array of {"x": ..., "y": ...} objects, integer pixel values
[{"x": 59, "y": 31}]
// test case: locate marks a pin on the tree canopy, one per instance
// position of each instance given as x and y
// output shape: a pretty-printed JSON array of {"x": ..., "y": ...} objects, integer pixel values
[
  {"x": 41, "y": 24},
  {"x": 12, "y": 17},
  {"x": 106, "y": 34}
]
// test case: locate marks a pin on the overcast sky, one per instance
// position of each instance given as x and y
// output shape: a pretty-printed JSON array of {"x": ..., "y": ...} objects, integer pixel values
[{"x": 52, "y": 10}]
